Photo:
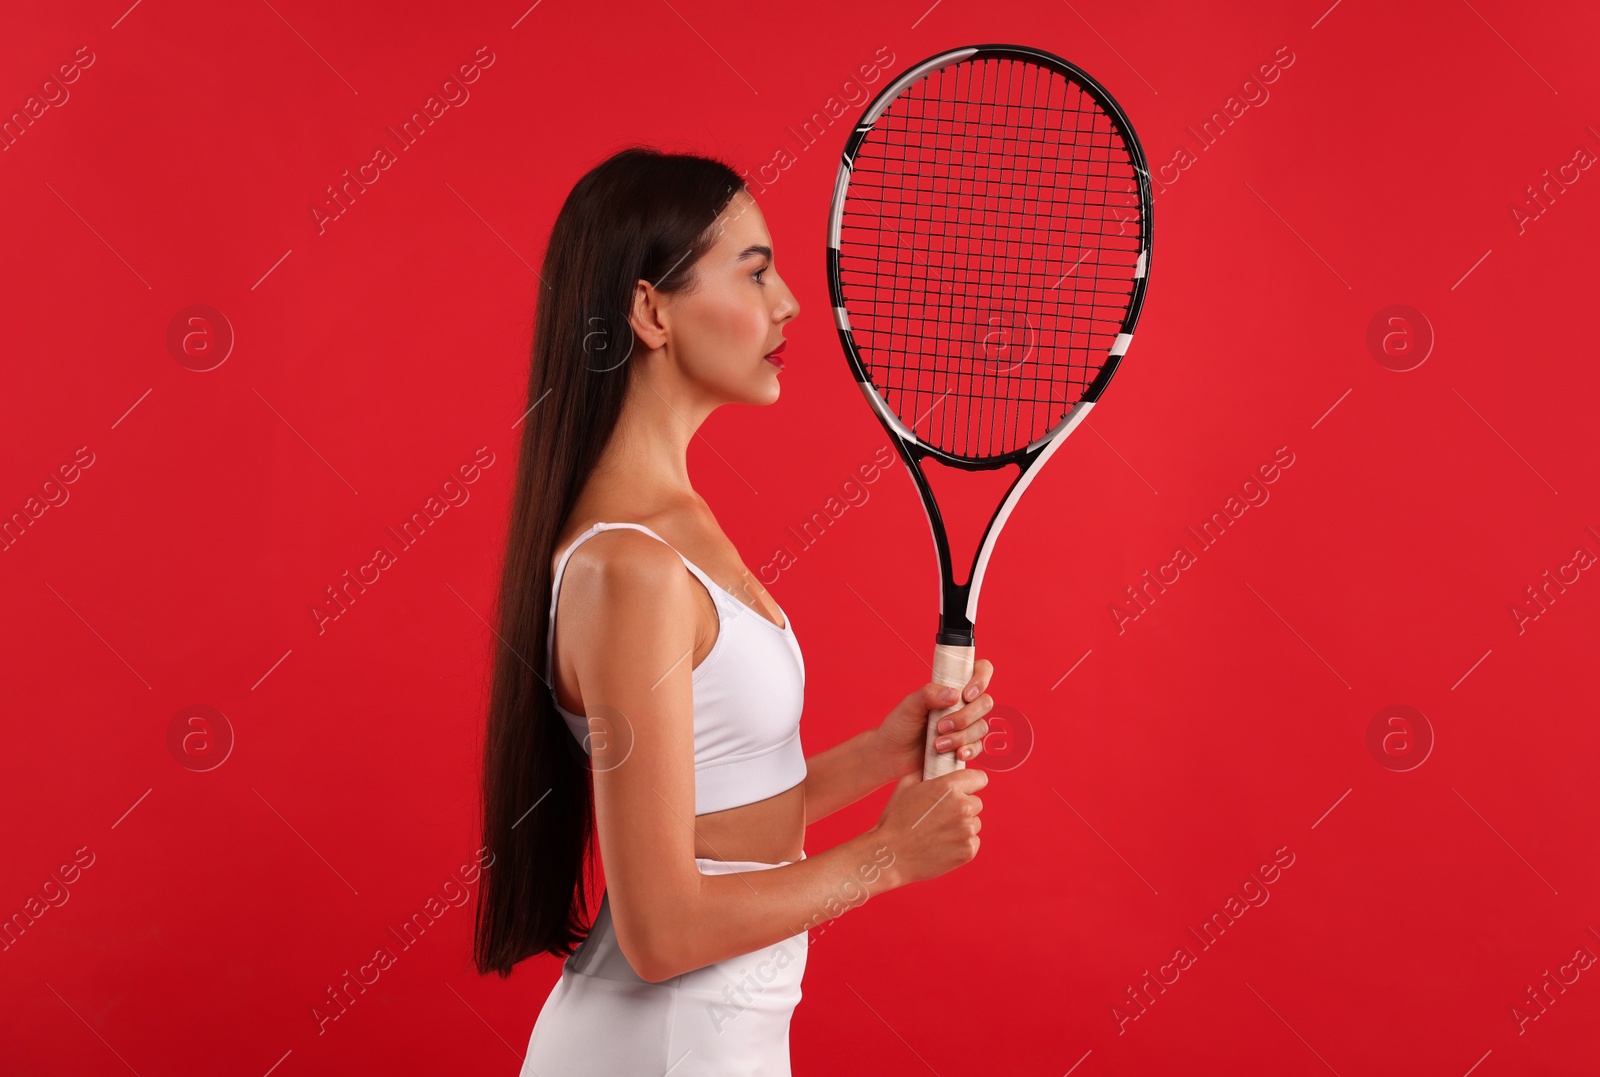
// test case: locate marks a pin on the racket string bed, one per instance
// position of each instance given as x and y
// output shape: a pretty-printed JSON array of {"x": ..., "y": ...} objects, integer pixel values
[{"x": 953, "y": 186}]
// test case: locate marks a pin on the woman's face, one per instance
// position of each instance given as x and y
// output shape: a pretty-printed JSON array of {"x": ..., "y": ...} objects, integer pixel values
[{"x": 721, "y": 331}]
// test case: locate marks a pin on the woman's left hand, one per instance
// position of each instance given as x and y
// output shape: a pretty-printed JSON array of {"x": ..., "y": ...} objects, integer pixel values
[{"x": 902, "y": 737}]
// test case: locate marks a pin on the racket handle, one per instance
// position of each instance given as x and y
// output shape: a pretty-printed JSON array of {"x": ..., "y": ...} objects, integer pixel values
[{"x": 952, "y": 667}]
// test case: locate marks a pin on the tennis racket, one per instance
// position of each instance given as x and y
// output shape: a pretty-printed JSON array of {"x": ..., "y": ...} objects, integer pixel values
[{"x": 988, "y": 254}]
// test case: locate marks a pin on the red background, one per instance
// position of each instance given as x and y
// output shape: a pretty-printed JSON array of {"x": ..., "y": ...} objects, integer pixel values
[{"x": 1229, "y": 720}]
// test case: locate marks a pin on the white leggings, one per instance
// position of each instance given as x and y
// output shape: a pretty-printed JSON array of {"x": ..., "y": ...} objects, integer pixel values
[{"x": 730, "y": 1019}]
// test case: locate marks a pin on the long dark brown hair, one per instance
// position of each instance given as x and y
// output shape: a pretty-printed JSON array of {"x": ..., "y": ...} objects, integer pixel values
[{"x": 641, "y": 214}]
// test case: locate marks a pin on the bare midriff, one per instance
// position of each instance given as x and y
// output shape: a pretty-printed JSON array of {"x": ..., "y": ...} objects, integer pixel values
[{"x": 770, "y": 830}]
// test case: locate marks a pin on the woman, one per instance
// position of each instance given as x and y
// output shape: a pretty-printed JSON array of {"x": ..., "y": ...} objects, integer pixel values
[{"x": 672, "y": 692}]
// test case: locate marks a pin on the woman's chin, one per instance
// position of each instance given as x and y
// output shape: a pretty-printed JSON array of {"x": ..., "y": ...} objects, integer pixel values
[{"x": 769, "y": 389}]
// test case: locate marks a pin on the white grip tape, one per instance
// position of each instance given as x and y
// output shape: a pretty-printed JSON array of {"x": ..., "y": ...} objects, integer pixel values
[{"x": 952, "y": 667}]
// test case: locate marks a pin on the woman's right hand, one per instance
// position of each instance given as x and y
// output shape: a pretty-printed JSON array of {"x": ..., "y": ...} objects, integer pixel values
[{"x": 932, "y": 826}]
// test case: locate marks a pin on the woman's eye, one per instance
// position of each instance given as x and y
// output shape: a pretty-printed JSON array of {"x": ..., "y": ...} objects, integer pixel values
[{"x": 757, "y": 274}]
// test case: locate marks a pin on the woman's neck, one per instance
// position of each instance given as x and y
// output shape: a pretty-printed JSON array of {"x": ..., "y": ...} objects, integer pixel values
[{"x": 647, "y": 456}]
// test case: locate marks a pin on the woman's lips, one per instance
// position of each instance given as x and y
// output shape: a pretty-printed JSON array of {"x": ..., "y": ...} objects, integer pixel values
[{"x": 772, "y": 356}]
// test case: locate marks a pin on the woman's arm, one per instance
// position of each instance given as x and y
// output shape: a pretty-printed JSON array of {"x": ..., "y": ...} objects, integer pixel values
[
  {"x": 632, "y": 620},
  {"x": 849, "y": 771},
  {"x": 845, "y": 773}
]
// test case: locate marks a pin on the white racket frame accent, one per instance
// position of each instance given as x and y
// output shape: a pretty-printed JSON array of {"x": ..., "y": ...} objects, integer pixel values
[{"x": 1080, "y": 411}]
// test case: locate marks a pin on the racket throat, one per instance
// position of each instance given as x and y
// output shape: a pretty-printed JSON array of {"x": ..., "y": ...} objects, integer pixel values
[{"x": 954, "y": 629}]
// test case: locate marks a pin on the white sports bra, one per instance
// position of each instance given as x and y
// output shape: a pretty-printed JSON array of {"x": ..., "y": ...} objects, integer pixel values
[{"x": 748, "y": 694}]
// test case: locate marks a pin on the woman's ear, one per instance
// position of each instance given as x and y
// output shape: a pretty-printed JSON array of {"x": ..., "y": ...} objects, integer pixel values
[{"x": 648, "y": 316}]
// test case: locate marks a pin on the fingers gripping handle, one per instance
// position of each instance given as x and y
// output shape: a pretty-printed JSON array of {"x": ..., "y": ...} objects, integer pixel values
[{"x": 952, "y": 667}]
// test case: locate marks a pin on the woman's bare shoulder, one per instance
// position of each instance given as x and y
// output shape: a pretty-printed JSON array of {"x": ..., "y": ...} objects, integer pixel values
[{"x": 621, "y": 557}]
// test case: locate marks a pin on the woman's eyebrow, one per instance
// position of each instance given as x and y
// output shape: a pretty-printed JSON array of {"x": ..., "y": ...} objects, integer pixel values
[{"x": 765, "y": 252}]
